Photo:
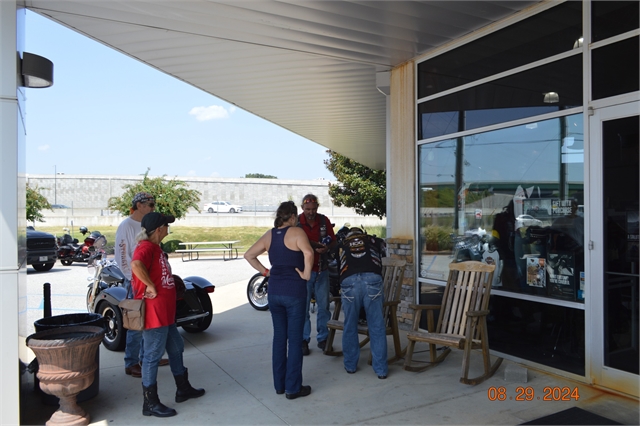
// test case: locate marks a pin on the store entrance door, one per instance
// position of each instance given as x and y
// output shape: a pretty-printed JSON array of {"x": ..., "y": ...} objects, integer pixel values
[{"x": 612, "y": 215}]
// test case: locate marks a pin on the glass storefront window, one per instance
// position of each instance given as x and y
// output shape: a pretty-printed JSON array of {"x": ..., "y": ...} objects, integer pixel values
[
  {"x": 610, "y": 18},
  {"x": 513, "y": 197},
  {"x": 609, "y": 77},
  {"x": 545, "y": 34},
  {"x": 548, "y": 88}
]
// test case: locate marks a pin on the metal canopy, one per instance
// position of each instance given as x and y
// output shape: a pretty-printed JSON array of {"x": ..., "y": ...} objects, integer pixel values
[{"x": 308, "y": 66}]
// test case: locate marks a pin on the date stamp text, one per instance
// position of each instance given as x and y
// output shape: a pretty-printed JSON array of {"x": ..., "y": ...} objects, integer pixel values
[{"x": 527, "y": 393}]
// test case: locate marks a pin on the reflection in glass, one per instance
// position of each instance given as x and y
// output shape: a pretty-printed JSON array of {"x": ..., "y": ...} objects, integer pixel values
[
  {"x": 510, "y": 98},
  {"x": 512, "y": 197}
]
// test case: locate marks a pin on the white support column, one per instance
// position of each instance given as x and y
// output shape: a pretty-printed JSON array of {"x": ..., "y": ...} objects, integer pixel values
[
  {"x": 9, "y": 271},
  {"x": 401, "y": 149}
]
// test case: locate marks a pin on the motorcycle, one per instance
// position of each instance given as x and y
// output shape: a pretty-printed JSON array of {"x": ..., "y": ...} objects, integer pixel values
[
  {"x": 106, "y": 290},
  {"x": 70, "y": 251},
  {"x": 258, "y": 286},
  {"x": 477, "y": 245}
]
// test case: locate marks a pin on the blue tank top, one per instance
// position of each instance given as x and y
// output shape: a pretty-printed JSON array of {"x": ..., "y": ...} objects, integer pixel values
[{"x": 283, "y": 279}]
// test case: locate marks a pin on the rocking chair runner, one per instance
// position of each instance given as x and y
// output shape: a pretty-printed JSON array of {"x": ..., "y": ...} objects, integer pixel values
[
  {"x": 392, "y": 275},
  {"x": 461, "y": 323}
]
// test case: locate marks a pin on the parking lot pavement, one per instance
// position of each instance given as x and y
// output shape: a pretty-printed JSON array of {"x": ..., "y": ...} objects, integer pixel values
[{"x": 69, "y": 283}]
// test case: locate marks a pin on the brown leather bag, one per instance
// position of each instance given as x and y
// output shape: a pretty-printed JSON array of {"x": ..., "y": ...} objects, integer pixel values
[{"x": 132, "y": 313}]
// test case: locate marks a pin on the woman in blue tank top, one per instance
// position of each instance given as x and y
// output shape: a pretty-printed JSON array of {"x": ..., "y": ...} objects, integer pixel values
[{"x": 291, "y": 258}]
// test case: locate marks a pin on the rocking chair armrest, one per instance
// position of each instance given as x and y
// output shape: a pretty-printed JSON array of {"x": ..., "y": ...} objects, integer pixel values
[
  {"x": 478, "y": 313},
  {"x": 391, "y": 303},
  {"x": 334, "y": 299},
  {"x": 424, "y": 307}
]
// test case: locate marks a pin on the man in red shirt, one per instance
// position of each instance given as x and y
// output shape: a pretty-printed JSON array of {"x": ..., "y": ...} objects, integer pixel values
[{"x": 322, "y": 238}]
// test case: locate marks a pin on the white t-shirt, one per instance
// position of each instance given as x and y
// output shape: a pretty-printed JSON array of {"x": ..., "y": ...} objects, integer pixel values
[{"x": 126, "y": 244}]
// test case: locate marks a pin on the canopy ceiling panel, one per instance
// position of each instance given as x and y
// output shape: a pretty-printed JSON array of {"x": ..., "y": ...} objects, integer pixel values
[{"x": 308, "y": 66}]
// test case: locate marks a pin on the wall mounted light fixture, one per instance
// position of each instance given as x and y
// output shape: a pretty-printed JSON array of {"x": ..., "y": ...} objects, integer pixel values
[
  {"x": 37, "y": 72},
  {"x": 551, "y": 98}
]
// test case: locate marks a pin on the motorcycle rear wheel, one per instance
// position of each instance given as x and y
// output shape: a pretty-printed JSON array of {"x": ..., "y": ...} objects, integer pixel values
[
  {"x": 203, "y": 323},
  {"x": 115, "y": 337},
  {"x": 66, "y": 262},
  {"x": 257, "y": 292}
]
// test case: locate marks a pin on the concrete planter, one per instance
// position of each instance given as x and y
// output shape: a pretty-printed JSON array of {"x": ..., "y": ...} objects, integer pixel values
[{"x": 66, "y": 358}]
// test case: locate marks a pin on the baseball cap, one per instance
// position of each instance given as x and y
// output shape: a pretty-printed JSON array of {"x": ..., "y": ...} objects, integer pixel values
[
  {"x": 154, "y": 220},
  {"x": 141, "y": 197}
]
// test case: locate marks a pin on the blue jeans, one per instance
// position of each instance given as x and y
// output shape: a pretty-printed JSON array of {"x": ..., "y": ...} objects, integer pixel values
[
  {"x": 358, "y": 290},
  {"x": 318, "y": 285},
  {"x": 132, "y": 355},
  {"x": 155, "y": 341},
  {"x": 287, "y": 314}
]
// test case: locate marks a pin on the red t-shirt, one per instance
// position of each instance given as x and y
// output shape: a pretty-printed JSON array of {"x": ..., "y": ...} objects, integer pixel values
[
  {"x": 161, "y": 310},
  {"x": 314, "y": 233}
]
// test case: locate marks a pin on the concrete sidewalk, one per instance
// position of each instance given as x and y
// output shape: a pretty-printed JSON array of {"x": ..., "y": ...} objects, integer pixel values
[{"x": 232, "y": 361}]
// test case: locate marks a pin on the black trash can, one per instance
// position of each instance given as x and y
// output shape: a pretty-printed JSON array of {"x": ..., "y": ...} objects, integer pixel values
[{"x": 59, "y": 321}]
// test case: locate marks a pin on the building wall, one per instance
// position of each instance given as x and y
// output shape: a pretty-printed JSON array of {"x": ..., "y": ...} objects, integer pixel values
[{"x": 94, "y": 191}]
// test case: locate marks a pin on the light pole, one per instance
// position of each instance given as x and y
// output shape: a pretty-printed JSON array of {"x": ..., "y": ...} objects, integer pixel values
[{"x": 55, "y": 185}]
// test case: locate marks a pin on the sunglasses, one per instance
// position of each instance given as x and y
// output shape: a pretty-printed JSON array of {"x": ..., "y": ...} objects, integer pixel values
[{"x": 309, "y": 200}]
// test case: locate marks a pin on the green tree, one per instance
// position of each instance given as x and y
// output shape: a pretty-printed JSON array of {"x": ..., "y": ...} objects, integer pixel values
[
  {"x": 172, "y": 196},
  {"x": 358, "y": 187},
  {"x": 36, "y": 202},
  {"x": 260, "y": 176}
]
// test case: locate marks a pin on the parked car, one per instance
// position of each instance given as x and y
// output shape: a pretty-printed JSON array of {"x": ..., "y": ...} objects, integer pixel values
[
  {"x": 527, "y": 220},
  {"x": 222, "y": 207},
  {"x": 41, "y": 249}
]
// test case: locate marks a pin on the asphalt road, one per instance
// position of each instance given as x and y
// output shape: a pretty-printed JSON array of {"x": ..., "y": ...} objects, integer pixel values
[{"x": 69, "y": 283}]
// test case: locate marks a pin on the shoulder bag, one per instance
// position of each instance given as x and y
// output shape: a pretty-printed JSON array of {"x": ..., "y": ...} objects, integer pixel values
[{"x": 132, "y": 312}]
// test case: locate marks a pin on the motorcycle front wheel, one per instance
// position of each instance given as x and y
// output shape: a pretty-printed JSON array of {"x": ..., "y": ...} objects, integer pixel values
[
  {"x": 257, "y": 292},
  {"x": 115, "y": 337},
  {"x": 66, "y": 262},
  {"x": 203, "y": 323}
]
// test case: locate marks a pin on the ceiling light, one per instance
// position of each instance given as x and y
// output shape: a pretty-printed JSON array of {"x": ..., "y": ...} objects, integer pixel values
[
  {"x": 578, "y": 43},
  {"x": 551, "y": 98}
]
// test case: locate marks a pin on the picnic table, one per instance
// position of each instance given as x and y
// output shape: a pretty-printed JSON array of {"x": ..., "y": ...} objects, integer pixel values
[{"x": 192, "y": 250}]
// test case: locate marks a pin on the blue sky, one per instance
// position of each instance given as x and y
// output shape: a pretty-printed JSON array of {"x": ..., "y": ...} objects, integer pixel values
[{"x": 109, "y": 114}]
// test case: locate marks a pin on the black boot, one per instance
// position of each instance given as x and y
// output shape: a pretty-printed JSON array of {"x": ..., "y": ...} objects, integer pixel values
[
  {"x": 152, "y": 405},
  {"x": 185, "y": 390}
]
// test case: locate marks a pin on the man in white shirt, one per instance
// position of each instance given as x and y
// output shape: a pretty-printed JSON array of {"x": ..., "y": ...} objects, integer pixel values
[{"x": 142, "y": 204}]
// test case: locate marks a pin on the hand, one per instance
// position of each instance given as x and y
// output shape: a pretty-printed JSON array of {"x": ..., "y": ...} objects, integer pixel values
[
  {"x": 150, "y": 292},
  {"x": 304, "y": 276},
  {"x": 321, "y": 249}
]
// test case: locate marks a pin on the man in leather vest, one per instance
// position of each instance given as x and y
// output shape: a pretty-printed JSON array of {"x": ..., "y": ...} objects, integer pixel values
[{"x": 361, "y": 285}]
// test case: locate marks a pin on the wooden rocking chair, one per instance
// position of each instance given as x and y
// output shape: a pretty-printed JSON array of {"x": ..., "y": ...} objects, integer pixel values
[
  {"x": 461, "y": 323},
  {"x": 392, "y": 275}
]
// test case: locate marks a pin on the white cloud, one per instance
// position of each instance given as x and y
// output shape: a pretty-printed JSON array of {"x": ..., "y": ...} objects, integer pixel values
[
  {"x": 191, "y": 173},
  {"x": 232, "y": 109},
  {"x": 214, "y": 174},
  {"x": 213, "y": 112},
  {"x": 43, "y": 148}
]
